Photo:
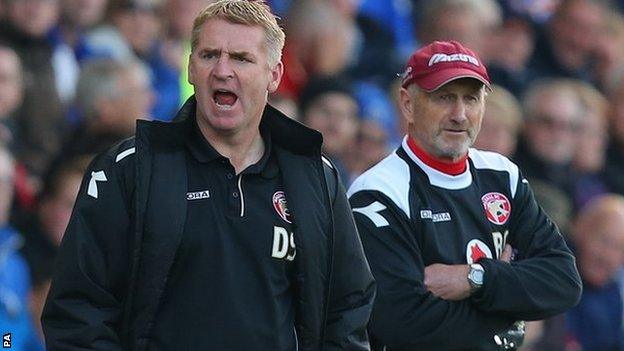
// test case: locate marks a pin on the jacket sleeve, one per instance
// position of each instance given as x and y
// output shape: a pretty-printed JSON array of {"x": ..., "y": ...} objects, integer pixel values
[
  {"x": 84, "y": 306},
  {"x": 352, "y": 286},
  {"x": 542, "y": 280},
  {"x": 406, "y": 315}
]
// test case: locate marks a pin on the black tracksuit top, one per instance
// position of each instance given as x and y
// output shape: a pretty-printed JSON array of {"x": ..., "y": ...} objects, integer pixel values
[
  {"x": 411, "y": 215},
  {"x": 231, "y": 281}
]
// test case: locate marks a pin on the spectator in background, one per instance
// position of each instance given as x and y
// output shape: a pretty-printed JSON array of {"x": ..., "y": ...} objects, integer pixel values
[
  {"x": 609, "y": 64},
  {"x": 371, "y": 146},
  {"x": 470, "y": 22},
  {"x": 40, "y": 119},
  {"x": 553, "y": 114},
  {"x": 320, "y": 41},
  {"x": 11, "y": 97},
  {"x": 590, "y": 145},
  {"x": 77, "y": 17},
  {"x": 14, "y": 276},
  {"x": 537, "y": 11},
  {"x": 387, "y": 30},
  {"x": 11, "y": 93},
  {"x": 501, "y": 123},
  {"x": 614, "y": 167},
  {"x": 596, "y": 322},
  {"x": 559, "y": 207},
  {"x": 376, "y": 106},
  {"x": 134, "y": 33},
  {"x": 327, "y": 104},
  {"x": 511, "y": 48},
  {"x": 111, "y": 96},
  {"x": 568, "y": 46},
  {"x": 44, "y": 228}
]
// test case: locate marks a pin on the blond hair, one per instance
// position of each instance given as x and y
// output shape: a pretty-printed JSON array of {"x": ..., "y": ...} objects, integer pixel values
[
  {"x": 506, "y": 106},
  {"x": 251, "y": 13}
]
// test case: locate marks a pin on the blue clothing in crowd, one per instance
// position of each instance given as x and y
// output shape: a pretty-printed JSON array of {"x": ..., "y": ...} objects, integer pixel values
[
  {"x": 596, "y": 322},
  {"x": 14, "y": 289}
]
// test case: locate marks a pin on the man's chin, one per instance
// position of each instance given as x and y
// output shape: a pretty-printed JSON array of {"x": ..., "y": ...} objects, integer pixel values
[{"x": 453, "y": 151}]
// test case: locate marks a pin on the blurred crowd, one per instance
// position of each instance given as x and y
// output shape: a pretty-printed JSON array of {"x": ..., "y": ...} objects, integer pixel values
[{"x": 76, "y": 74}]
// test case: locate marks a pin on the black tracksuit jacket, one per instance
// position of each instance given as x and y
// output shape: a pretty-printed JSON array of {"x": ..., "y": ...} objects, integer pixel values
[
  {"x": 410, "y": 216},
  {"x": 122, "y": 238}
]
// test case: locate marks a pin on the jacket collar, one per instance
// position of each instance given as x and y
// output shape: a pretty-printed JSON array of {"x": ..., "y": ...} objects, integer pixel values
[{"x": 285, "y": 132}]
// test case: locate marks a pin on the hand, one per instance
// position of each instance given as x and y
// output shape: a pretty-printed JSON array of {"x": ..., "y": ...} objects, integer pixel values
[
  {"x": 507, "y": 254},
  {"x": 448, "y": 282}
]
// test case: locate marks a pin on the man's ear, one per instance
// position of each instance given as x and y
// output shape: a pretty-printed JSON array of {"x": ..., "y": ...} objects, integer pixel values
[
  {"x": 406, "y": 105},
  {"x": 276, "y": 77}
]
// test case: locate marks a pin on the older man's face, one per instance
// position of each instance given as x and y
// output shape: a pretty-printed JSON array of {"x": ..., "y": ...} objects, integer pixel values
[{"x": 445, "y": 122}]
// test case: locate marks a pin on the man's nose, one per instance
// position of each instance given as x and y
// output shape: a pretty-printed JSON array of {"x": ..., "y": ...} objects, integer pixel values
[
  {"x": 223, "y": 68},
  {"x": 459, "y": 112}
]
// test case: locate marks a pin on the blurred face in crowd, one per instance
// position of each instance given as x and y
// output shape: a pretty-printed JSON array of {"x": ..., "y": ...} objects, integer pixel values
[
  {"x": 456, "y": 25},
  {"x": 335, "y": 115},
  {"x": 34, "y": 17},
  {"x": 446, "y": 121},
  {"x": 551, "y": 130},
  {"x": 180, "y": 15},
  {"x": 574, "y": 31},
  {"x": 600, "y": 241},
  {"x": 7, "y": 170},
  {"x": 10, "y": 82},
  {"x": 372, "y": 144},
  {"x": 55, "y": 210},
  {"x": 591, "y": 142},
  {"x": 133, "y": 100},
  {"x": 232, "y": 76},
  {"x": 497, "y": 134},
  {"x": 83, "y": 13},
  {"x": 511, "y": 45},
  {"x": 140, "y": 26}
]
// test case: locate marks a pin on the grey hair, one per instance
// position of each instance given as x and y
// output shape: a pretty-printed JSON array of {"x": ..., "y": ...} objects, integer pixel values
[{"x": 101, "y": 79}]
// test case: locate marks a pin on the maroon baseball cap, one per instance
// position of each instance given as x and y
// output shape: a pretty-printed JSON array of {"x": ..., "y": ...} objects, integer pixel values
[{"x": 440, "y": 62}]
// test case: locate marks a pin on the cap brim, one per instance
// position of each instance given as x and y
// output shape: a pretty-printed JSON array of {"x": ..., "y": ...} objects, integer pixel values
[{"x": 434, "y": 81}]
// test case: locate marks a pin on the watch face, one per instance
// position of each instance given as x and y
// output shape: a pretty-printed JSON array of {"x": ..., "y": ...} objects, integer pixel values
[{"x": 477, "y": 276}]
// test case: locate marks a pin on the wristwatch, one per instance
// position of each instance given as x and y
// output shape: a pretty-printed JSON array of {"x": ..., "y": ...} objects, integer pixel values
[{"x": 475, "y": 277}]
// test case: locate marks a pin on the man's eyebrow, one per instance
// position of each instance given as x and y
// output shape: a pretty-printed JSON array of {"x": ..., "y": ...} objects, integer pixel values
[
  {"x": 241, "y": 54},
  {"x": 208, "y": 50}
]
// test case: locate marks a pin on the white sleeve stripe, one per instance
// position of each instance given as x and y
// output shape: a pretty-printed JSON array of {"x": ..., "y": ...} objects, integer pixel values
[{"x": 124, "y": 154}]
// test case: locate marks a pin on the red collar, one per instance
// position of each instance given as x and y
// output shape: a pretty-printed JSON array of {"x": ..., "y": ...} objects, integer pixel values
[{"x": 450, "y": 168}]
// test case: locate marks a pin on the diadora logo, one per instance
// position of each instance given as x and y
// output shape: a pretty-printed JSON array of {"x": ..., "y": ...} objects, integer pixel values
[
  {"x": 436, "y": 58},
  {"x": 476, "y": 250},
  {"x": 98, "y": 176},
  {"x": 283, "y": 244},
  {"x": 435, "y": 217},
  {"x": 497, "y": 207},
  {"x": 280, "y": 205},
  {"x": 198, "y": 195}
]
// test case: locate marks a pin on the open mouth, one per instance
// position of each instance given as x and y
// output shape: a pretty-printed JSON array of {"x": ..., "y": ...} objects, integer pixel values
[{"x": 224, "y": 98}]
